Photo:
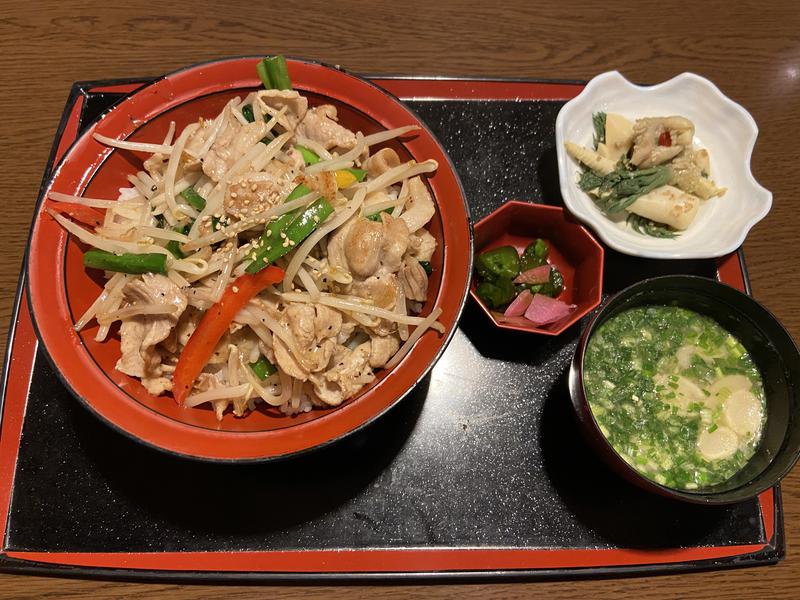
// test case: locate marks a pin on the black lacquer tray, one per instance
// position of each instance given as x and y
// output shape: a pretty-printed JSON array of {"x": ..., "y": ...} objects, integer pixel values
[{"x": 480, "y": 473}]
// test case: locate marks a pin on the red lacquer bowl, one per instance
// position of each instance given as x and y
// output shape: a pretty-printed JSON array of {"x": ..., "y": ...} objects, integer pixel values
[
  {"x": 60, "y": 289},
  {"x": 572, "y": 249}
]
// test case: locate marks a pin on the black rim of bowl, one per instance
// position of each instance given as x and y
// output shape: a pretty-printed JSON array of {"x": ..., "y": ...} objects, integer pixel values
[{"x": 600, "y": 443}]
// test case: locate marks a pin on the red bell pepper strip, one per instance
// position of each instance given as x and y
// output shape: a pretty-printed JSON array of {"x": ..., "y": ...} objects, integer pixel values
[
  {"x": 213, "y": 325},
  {"x": 85, "y": 214}
]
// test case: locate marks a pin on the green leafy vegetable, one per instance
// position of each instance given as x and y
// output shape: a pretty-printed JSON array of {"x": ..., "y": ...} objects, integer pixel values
[
  {"x": 261, "y": 69},
  {"x": 599, "y": 122},
  {"x": 647, "y": 227},
  {"x": 619, "y": 189}
]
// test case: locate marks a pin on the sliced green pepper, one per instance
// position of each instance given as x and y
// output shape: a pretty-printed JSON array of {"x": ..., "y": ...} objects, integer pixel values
[
  {"x": 262, "y": 368},
  {"x": 553, "y": 287},
  {"x": 496, "y": 293},
  {"x": 499, "y": 262},
  {"x": 535, "y": 255},
  {"x": 133, "y": 264},
  {"x": 309, "y": 156}
]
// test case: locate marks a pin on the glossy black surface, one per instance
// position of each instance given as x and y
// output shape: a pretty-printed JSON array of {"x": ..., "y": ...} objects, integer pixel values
[{"x": 485, "y": 453}]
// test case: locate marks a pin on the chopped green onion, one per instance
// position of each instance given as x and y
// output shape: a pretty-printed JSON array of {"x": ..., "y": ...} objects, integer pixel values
[{"x": 427, "y": 266}]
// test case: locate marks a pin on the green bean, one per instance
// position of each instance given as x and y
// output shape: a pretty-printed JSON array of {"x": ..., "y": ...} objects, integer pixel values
[
  {"x": 126, "y": 263},
  {"x": 278, "y": 72},
  {"x": 262, "y": 368}
]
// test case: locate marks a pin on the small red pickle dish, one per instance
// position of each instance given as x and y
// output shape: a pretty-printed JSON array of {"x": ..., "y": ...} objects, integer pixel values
[{"x": 573, "y": 251}]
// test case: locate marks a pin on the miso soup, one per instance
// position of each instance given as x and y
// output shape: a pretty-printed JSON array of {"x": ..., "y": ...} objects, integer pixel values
[{"x": 676, "y": 395}]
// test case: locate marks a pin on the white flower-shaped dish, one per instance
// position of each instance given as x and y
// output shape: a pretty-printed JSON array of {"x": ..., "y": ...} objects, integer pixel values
[{"x": 723, "y": 127}]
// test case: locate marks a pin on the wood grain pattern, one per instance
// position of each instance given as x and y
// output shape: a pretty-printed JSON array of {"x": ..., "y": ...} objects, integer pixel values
[{"x": 750, "y": 49}]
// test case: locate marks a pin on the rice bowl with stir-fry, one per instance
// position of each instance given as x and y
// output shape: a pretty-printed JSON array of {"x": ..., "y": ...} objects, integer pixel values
[{"x": 262, "y": 255}]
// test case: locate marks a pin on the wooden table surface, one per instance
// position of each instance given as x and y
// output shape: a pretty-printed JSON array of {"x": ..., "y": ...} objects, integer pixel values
[{"x": 751, "y": 50}]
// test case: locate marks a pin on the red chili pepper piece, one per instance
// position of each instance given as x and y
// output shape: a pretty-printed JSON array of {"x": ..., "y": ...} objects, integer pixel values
[
  {"x": 213, "y": 325},
  {"x": 665, "y": 139},
  {"x": 84, "y": 214}
]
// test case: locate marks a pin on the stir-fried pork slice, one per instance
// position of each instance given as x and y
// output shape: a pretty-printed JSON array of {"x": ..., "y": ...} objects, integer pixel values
[
  {"x": 328, "y": 322},
  {"x": 312, "y": 360},
  {"x": 323, "y": 183},
  {"x": 382, "y": 161},
  {"x": 362, "y": 247},
  {"x": 140, "y": 334},
  {"x": 370, "y": 246},
  {"x": 414, "y": 280},
  {"x": 296, "y": 160},
  {"x": 232, "y": 142},
  {"x": 315, "y": 329},
  {"x": 312, "y": 323},
  {"x": 350, "y": 373},
  {"x": 395, "y": 242},
  {"x": 287, "y": 361},
  {"x": 419, "y": 206},
  {"x": 320, "y": 124},
  {"x": 180, "y": 334},
  {"x": 378, "y": 197},
  {"x": 421, "y": 245},
  {"x": 296, "y": 106},
  {"x": 258, "y": 192},
  {"x": 382, "y": 348},
  {"x": 381, "y": 290}
]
